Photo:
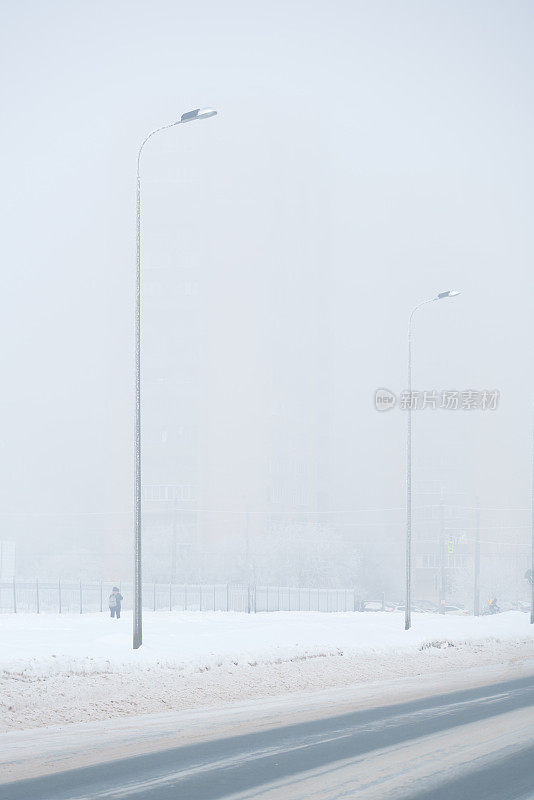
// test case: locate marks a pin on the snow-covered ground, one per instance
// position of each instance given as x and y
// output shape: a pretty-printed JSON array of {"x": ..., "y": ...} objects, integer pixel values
[
  {"x": 34, "y": 645},
  {"x": 75, "y": 667}
]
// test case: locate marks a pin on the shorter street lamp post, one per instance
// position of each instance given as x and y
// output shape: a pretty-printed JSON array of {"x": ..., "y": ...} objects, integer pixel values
[{"x": 408, "y": 606}]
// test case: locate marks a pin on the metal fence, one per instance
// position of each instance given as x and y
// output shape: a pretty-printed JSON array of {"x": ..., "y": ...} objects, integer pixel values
[{"x": 67, "y": 597}]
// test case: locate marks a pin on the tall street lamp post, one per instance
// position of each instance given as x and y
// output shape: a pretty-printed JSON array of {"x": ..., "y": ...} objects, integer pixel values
[
  {"x": 190, "y": 116},
  {"x": 408, "y": 606}
]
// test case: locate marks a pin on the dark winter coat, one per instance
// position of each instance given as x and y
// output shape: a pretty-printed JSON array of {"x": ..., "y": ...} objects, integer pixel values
[{"x": 115, "y": 600}]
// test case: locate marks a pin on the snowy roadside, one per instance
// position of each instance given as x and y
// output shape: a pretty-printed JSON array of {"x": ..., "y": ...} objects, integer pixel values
[
  {"x": 58, "y": 669},
  {"x": 43, "y": 750}
]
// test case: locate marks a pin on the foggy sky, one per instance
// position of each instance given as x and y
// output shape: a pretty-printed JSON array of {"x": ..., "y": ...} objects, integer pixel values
[{"x": 366, "y": 156}]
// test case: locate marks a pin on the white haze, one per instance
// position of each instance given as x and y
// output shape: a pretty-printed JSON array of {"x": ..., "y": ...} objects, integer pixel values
[{"x": 366, "y": 155}]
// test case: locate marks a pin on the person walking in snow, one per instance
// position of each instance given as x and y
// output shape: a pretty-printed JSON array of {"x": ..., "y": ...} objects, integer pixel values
[
  {"x": 493, "y": 608},
  {"x": 115, "y": 600}
]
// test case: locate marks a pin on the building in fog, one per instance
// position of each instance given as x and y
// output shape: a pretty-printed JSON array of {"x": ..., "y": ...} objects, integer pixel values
[
  {"x": 170, "y": 400},
  {"x": 443, "y": 545},
  {"x": 234, "y": 426},
  {"x": 444, "y": 521},
  {"x": 7, "y": 559}
]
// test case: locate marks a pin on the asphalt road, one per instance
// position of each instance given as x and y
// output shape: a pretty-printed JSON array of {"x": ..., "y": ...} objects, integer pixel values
[{"x": 475, "y": 743}]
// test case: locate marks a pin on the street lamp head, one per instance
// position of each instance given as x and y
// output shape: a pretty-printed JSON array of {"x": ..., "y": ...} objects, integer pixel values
[
  {"x": 198, "y": 113},
  {"x": 450, "y": 293}
]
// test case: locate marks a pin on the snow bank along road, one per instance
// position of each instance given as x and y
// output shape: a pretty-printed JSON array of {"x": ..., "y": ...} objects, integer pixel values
[
  {"x": 475, "y": 743},
  {"x": 71, "y": 668}
]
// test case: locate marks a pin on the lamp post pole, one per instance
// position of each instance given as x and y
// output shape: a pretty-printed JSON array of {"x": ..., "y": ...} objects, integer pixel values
[
  {"x": 408, "y": 605},
  {"x": 532, "y": 555},
  {"x": 138, "y": 594},
  {"x": 476, "y": 582}
]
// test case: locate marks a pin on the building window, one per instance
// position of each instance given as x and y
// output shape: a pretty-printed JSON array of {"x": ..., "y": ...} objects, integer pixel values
[{"x": 158, "y": 491}]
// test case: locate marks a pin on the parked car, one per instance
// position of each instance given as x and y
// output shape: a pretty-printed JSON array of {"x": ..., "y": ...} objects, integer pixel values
[
  {"x": 371, "y": 605},
  {"x": 429, "y": 607},
  {"x": 456, "y": 610},
  {"x": 417, "y": 609}
]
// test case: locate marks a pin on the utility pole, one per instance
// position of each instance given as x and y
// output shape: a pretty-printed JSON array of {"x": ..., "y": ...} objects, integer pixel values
[
  {"x": 443, "y": 576},
  {"x": 476, "y": 588},
  {"x": 247, "y": 546},
  {"x": 174, "y": 544},
  {"x": 532, "y": 522}
]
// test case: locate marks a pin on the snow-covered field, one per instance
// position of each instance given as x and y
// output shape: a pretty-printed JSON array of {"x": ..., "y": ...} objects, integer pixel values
[
  {"x": 34, "y": 645},
  {"x": 76, "y": 667}
]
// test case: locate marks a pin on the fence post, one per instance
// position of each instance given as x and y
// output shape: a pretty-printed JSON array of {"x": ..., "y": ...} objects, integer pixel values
[
  {"x": 200, "y": 597},
  {"x": 14, "y": 596},
  {"x": 59, "y": 593},
  {"x": 185, "y": 597},
  {"x": 37, "y": 594},
  {"x": 278, "y": 599},
  {"x": 81, "y": 606},
  {"x": 170, "y": 596},
  {"x": 383, "y": 601},
  {"x": 154, "y": 595},
  {"x": 101, "y": 605},
  {"x": 227, "y": 597}
]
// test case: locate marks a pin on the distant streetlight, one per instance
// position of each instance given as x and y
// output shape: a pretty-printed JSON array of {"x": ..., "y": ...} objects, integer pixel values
[
  {"x": 189, "y": 116},
  {"x": 408, "y": 607}
]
